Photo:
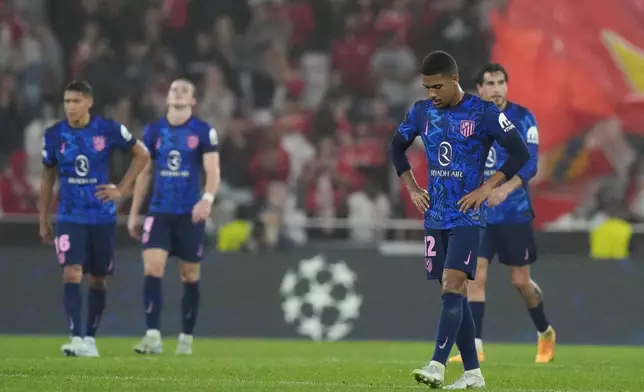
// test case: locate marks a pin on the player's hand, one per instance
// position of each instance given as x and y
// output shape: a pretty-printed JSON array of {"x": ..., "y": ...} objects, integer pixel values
[
  {"x": 420, "y": 198},
  {"x": 498, "y": 196},
  {"x": 201, "y": 211},
  {"x": 474, "y": 199},
  {"x": 46, "y": 233},
  {"x": 134, "y": 226},
  {"x": 108, "y": 192}
]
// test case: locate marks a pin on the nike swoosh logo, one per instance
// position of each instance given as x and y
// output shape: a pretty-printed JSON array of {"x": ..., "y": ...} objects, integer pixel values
[
  {"x": 469, "y": 256},
  {"x": 527, "y": 254},
  {"x": 149, "y": 309},
  {"x": 442, "y": 346}
]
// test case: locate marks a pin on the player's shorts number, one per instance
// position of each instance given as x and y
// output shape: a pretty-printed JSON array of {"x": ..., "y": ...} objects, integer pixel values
[
  {"x": 430, "y": 242},
  {"x": 147, "y": 227},
  {"x": 62, "y": 245}
]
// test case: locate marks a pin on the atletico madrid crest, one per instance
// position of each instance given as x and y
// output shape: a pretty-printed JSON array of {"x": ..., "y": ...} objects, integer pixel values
[
  {"x": 467, "y": 128},
  {"x": 193, "y": 142},
  {"x": 99, "y": 143}
]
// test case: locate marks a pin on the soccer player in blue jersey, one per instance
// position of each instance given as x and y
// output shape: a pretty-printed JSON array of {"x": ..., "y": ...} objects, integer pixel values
[
  {"x": 509, "y": 231},
  {"x": 78, "y": 150},
  {"x": 181, "y": 146},
  {"x": 457, "y": 130}
]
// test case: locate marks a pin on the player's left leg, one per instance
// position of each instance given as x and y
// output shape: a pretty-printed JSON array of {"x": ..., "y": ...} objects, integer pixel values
[
  {"x": 100, "y": 265},
  {"x": 95, "y": 307},
  {"x": 518, "y": 251},
  {"x": 189, "y": 239},
  {"x": 190, "y": 275},
  {"x": 460, "y": 266},
  {"x": 532, "y": 296},
  {"x": 476, "y": 289},
  {"x": 476, "y": 302}
]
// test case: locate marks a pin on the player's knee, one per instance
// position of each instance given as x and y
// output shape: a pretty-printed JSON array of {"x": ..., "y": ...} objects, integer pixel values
[
  {"x": 476, "y": 288},
  {"x": 97, "y": 282},
  {"x": 481, "y": 273},
  {"x": 454, "y": 282},
  {"x": 520, "y": 279},
  {"x": 73, "y": 274},
  {"x": 190, "y": 272},
  {"x": 153, "y": 264}
]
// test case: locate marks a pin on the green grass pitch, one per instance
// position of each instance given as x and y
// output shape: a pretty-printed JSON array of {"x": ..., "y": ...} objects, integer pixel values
[{"x": 32, "y": 364}]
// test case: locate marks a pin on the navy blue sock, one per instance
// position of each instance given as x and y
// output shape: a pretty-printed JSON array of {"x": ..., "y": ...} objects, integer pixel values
[
  {"x": 465, "y": 339},
  {"x": 73, "y": 302},
  {"x": 152, "y": 301},
  {"x": 539, "y": 317},
  {"x": 190, "y": 306},
  {"x": 95, "y": 308},
  {"x": 450, "y": 321},
  {"x": 478, "y": 312}
]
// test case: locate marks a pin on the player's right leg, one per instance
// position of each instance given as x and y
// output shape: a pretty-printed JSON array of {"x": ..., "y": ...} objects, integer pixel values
[
  {"x": 156, "y": 241},
  {"x": 71, "y": 245},
  {"x": 433, "y": 373}
]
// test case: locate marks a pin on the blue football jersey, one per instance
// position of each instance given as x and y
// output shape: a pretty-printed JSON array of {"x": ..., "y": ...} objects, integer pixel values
[
  {"x": 177, "y": 153},
  {"x": 457, "y": 140},
  {"x": 517, "y": 207},
  {"x": 82, "y": 159}
]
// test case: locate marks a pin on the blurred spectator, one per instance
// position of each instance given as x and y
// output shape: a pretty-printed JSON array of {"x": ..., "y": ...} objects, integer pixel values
[
  {"x": 369, "y": 209},
  {"x": 457, "y": 30},
  {"x": 394, "y": 66},
  {"x": 327, "y": 186},
  {"x": 217, "y": 102},
  {"x": 234, "y": 235},
  {"x": 294, "y": 122},
  {"x": 270, "y": 163},
  {"x": 611, "y": 239},
  {"x": 236, "y": 152},
  {"x": 12, "y": 117},
  {"x": 351, "y": 54},
  {"x": 395, "y": 19},
  {"x": 266, "y": 49},
  {"x": 16, "y": 194}
]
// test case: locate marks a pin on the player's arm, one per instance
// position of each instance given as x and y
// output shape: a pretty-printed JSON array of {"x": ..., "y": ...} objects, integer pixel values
[
  {"x": 402, "y": 139},
  {"x": 208, "y": 144},
  {"x": 506, "y": 134},
  {"x": 498, "y": 126},
  {"x": 527, "y": 172},
  {"x": 140, "y": 160},
  {"x": 123, "y": 139},
  {"x": 47, "y": 183},
  {"x": 141, "y": 185}
]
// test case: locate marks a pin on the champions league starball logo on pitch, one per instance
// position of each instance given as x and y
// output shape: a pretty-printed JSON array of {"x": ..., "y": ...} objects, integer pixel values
[{"x": 319, "y": 298}]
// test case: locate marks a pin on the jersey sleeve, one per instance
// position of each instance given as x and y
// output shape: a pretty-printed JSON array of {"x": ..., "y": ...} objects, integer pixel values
[
  {"x": 403, "y": 138},
  {"x": 49, "y": 148},
  {"x": 500, "y": 129},
  {"x": 531, "y": 138},
  {"x": 121, "y": 137},
  {"x": 209, "y": 139},
  {"x": 497, "y": 125},
  {"x": 409, "y": 127}
]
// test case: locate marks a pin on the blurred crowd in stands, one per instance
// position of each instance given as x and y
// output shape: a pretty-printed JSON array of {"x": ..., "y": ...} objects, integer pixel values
[{"x": 303, "y": 93}]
